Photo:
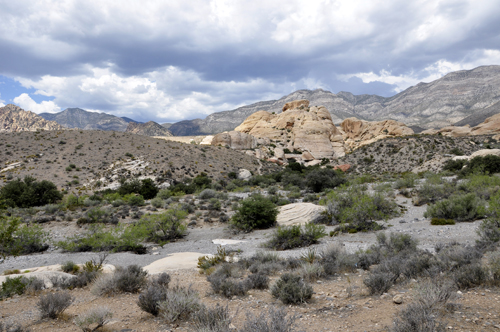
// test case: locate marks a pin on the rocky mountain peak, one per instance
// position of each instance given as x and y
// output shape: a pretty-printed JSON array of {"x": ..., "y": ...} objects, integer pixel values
[
  {"x": 14, "y": 119},
  {"x": 150, "y": 128}
]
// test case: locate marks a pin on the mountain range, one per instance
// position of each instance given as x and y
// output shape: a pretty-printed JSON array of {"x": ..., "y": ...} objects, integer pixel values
[
  {"x": 78, "y": 118},
  {"x": 445, "y": 101}
]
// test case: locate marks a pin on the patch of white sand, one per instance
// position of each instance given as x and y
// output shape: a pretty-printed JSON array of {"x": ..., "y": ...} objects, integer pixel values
[
  {"x": 224, "y": 242},
  {"x": 177, "y": 261}
]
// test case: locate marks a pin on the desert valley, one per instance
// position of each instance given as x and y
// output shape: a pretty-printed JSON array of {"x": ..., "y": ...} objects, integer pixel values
[{"x": 314, "y": 212}]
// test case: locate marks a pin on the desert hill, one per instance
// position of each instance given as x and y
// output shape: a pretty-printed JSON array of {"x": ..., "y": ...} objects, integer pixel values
[
  {"x": 15, "y": 119},
  {"x": 81, "y": 119},
  {"x": 106, "y": 156},
  {"x": 439, "y": 103}
]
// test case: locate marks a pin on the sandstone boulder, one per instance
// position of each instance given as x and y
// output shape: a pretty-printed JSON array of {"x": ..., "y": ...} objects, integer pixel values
[
  {"x": 303, "y": 103},
  {"x": 299, "y": 128},
  {"x": 244, "y": 174},
  {"x": 298, "y": 213},
  {"x": 450, "y": 131},
  {"x": 490, "y": 126},
  {"x": 485, "y": 152},
  {"x": 235, "y": 140},
  {"x": 207, "y": 140},
  {"x": 344, "y": 167},
  {"x": 357, "y": 133}
]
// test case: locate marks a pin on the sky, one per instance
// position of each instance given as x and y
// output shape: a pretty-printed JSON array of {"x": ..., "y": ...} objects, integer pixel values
[{"x": 176, "y": 60}]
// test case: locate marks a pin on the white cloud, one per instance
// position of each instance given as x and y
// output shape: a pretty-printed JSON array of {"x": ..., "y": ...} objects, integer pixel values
[{"x": 25, "y": 102}]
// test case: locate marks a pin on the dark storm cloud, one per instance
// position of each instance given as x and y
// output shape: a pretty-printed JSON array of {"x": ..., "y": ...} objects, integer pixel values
[{"x": 180, "y": 59}]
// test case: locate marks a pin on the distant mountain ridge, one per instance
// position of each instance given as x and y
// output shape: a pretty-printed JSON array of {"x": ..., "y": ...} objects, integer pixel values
[
  {"x": 15, "y": 119},
  {"x": 150, "y": 128},
  {"x": 439, "y": 103},
  {"x": 79, "y": 118}
]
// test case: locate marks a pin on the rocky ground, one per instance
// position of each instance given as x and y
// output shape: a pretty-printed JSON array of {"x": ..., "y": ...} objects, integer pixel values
[
  {"x": 339, "y": 304},
  {"x": 104, "y": 155}
]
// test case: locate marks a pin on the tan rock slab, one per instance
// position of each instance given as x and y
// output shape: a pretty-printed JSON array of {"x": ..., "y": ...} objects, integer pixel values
[
  {"x": 298, "y": 213},
  {"x": 224, "y": 242},
  {"x": 177, "y": 261}
]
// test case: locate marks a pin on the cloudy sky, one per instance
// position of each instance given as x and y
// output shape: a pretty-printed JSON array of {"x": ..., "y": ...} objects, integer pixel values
[{"x": 181, "y": 59}]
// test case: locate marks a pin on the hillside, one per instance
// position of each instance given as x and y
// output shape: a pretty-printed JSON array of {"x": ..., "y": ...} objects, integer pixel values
[
  {"x": 442, "y": 102},
  {"x": 106, "y": 156}
]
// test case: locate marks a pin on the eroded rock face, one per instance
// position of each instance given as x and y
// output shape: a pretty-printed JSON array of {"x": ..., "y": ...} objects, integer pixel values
[
  {"x": 14, "y": 119},
  {"x": 235, "y": 140},
  {"x": 490, "y": 126},
  {"x": 357, "y": 132},
  {"x": 303, "y": 128}
]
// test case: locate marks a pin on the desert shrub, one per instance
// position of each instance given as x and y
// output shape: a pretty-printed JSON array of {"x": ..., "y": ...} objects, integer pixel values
[
  {"x": 320, "y": 179},
  {"x": 434, "y": 293},
  {"x": 70, "y": 267},
  {"x": 431, "y": 193},
  {"x": 12, "y": 286},
  {"x": 134, "y": 200},
  {"x": 223, "y": 281},
  {"x": 442, "y": 221},
  {"x": 466, "y": 207},
  {"x": 91, "y": 202},
  {"x": 93, "y": 319},
  {"x": 489, "y": 164},
  {"x": 489, "y": 234},
  {"x": 207, "y": 194},
  {"x": 289, "y": 237},
  {"x": 29, "y": 239},
  {"x": 97, "y": 238},
  {"x": 358, "y": 209},
  {"x": 163, "y": 194},
  {"x": 214, "y": 204},
  {"x": 123, "y": 280},
  {"x": 263, "y": 263},
  {"x": 98, "y": 215},
  {"x": 273, "y": 190},
  {"x": 494, "y": 267},
  {"x": 335, "y": 260},
  {"x": 180, "y": 304},
  {"x": 215, "y": 319},
  {"x": 157, "y": 202},
  {"x": 454, "y": 255},
  {"x": 8, "y": 228},
  {"x": 454, "y": 165},
  {"x": 275, "y": 321},
  {"x": 51, "y": 208},
  {"x": 254, "y": 212},
  {"x": 145, "y": 188},
  {"x": 311, "y": 271},
  {"x": 416, "y": 317},
  {"x": 379, "y": 283},
  {"x": 53, "y": 304},
  {"x": 469, "y": 276},
  {"x": 258, "y": 281},
  {"x": 163, "y": 227},
  {"x": 29, "y": 192},
  {"x": 150, "y": 298},
  {"x": 406, "y": 181},
  {"x": 207, "y": 262},
  {"x": 290, "y": 289},
  {"x": 484, "y": 186}
]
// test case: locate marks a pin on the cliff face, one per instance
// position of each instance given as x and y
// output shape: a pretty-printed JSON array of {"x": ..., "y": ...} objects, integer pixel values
[
  {"x": 14, "y": 118},
  {"x": 442, "y": 102},
  {"x": 148, "y": 129}
]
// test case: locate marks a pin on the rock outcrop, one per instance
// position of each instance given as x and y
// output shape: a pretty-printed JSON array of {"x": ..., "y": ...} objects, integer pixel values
[
  {"x": 150, "y": 128},
  {"x": 235, "y": 140},
  {"x": 14, "y": 119},
  {"x": 490, "y": 126},
  {"x": 298, "y": 128},
  {"x": 357, "y": 132},
  {"x": 298, "y": 213}
]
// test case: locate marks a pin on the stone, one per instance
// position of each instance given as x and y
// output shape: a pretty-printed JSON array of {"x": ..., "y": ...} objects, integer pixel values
[
  {"x": 343, "y": 168},
  {"x": 244, "y": 174},
  {"x": 279, "y": 153},
  {"x": 398, "y": 299},
  {"x": 207, "y": 140},
  {"x": 224, "y": 242},
  {"x": 299, "y": 128},
  {"x": 235, "y": 140},
  {"x": 303, "y": 103},
  {"x": 357, "y": 133},
  {"x": 46, "y": 276},
  {"x": 306, "y": 156},
  {"x": 298, "y": 213},
  {"x": 485, "y": 152},
  {"x": 177, "y": 261}
]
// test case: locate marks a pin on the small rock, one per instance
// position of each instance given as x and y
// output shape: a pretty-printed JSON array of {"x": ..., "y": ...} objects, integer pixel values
[
  {"x": 384, "y": 296},
  {"x": 398, "y": 299},
  {"x": 402, "y": 221}
]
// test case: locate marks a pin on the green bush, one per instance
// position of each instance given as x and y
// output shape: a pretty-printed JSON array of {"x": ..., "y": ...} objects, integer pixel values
[
  {"x": 289, "y": 237},
  {"x": 163, "y": 227},
  {"x": 157, "y": 202},
  {"x": 406, "y": 181},
  {"x": 146, "y": 188},
  {"x": 29, "y": 192},
  {"x": 70, "y": 267},
  {"x": 454, "y": 165},
  {"x": 466, "y": 207},
  {"x": 442, "y": 221},
  {"x": 255, "y": 212},
  {"x": 433, "y": 192},
  {"x": 122, "y": 280},
  {"x": 290, "y": 289},
  {"x": 8, "y": 244},
  {"x": 489, "y": 164},
  {"x": 323, "y": 178}
]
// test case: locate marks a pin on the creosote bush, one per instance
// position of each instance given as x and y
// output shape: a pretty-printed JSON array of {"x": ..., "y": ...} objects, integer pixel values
[
  {"x": 289, "y": 237},
  {"x": 290, "y": 289},
  {"x": 255, "y": 212},
  {"x": 180, "y": 304},
  {"x": 466, "y": 207},
  {"x": 215, "y": 319},
  {"x": 53, "y": 304},
  {"x": 123, "y": 280},
  {"x": 275, "y": 321},
  {"x": 93, "y": 319}
]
